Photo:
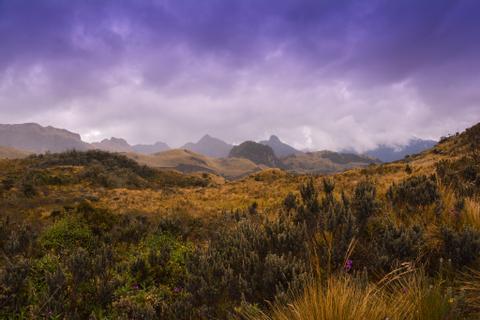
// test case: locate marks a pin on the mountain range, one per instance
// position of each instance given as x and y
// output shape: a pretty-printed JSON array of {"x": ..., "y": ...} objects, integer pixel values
[
  {"x": 209, "y": 154},
  {"x": 387, "y": 153},
  {"x": 121, "y": 145}
]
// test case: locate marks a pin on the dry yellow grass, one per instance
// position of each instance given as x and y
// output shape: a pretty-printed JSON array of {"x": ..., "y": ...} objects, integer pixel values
[
  {"x": 402, "y": 295},
  {"x": 228, "y": 167}
]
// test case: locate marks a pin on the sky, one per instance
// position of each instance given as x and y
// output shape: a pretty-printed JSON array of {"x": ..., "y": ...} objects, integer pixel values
[{"x": 320, "y": 74}]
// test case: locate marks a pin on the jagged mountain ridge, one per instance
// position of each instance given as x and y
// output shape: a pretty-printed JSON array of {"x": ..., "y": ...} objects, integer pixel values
[
  {"x": 34, "y": 138},
  {"x": 280, "y": 148}
]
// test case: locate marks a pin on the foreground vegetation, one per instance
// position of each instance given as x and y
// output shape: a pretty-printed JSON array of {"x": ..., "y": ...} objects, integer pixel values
[{"x": 396, "y": 241}]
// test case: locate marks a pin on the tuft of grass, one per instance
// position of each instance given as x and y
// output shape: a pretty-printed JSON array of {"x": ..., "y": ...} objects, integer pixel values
[
  {"x": 472, "y": 213},
  {"x": 404, "y": 294}
]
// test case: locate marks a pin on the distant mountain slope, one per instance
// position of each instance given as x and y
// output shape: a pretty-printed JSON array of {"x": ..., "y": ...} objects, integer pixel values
[
  {"x": 188, "y": 161},
  {"x": 120, "y": 145},
  {"x": 209, "y": 146},
  {"x": 280, "y": 148},
  {"x": 151, "y": 148},
  {"x": 257, "y": 153},
  {"x": 12, "y": 153},
  {"x": 113, "y": 145},
  {"x": 392, "y": 153},
  {"x": 33, "y": 137},
  {"x": 325, "y": 162}
]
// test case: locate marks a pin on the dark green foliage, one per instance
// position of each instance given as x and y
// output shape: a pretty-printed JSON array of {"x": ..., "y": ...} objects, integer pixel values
[
  {"x": 253, "y": 260},
  {"x": 109, "y": 161},
  {"x": 309, "y": 210},
  {"x": 364, "y": 202},
  {"x": 462, "y": 246},
  {"x": 414, "y": 192},
  {"x": 395, "y": 245},
  {"x": 290, "y": 202}
]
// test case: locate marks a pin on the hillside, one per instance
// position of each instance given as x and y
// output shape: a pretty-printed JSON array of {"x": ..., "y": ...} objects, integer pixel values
[
  {"x": 187, "y": 161},
  {"x": 326, "y": 162},
  {"x": 12, "y": 153},
  {"x": 257, "y": 153}
]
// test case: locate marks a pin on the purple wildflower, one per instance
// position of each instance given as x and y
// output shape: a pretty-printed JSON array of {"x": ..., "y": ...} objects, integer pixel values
[
  {"x": 348, "y": 265},
  {"x": 177, "y": 289},
  {"x": 136, "y": 286}
]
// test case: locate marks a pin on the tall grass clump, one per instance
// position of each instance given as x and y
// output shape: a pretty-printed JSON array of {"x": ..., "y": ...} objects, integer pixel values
[{"x": 403, "y": 294}]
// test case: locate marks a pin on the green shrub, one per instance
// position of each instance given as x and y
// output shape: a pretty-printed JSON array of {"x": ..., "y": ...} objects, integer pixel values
[
  {"x": 67, "y": 233},
  {"x": 414, "y": 192}
]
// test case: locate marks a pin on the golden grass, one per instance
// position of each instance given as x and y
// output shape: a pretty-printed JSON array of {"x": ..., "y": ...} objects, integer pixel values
[
  {"x": 402, "y": 295},
  {"x": 228, "y": 167},
  {"x": 472, "y": 213}
]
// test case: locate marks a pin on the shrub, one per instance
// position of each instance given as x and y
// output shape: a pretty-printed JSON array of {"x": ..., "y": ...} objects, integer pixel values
[
  {"x": 462, "y": 247},
  {"x": 396, "y": 244},
  {"x": 414, "y": 192},
  {"x": 67, "y": 234},
  {"x": 364, "y": 202}
]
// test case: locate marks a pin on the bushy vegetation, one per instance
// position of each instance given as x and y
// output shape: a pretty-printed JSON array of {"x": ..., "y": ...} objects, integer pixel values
[
  {"x": 88, "y": 262},
  {"x": 97, "y": 168},
  {"x": 332, "y": 248}
]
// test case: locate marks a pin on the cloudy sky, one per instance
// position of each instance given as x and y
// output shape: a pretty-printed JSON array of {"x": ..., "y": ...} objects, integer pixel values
[{"x": 320, "y": 74}]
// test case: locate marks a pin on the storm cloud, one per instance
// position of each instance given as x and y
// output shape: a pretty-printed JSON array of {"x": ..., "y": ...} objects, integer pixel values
[{"x": 320, "y": 74}]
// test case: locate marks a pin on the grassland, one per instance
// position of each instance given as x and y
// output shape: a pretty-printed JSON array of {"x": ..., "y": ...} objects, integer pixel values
[{"x": 98, "y": 235}]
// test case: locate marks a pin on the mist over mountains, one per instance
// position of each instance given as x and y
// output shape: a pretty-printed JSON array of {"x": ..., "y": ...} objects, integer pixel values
[{"x": 18, "y": 140}]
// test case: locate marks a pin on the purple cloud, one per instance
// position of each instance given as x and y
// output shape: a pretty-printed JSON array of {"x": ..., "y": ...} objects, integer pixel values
[{"x": 322, "y": 74}]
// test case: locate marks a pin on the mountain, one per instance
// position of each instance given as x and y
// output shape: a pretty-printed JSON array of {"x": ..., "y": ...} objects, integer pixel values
[
  {"x": 113, "y": 145},
  {"x": 322, "y": 162},
  {"x": 209, "y": 146},
  {"x": 33, "y": 137},
  {"x": 120, "y": 145},
  {"x": 150, "y": 148},
  {"x": 257, "y": 153},
  {"x": 12, "y": 153},
  {"x": 280, "y": 148},
  {"x": 388, "y": 153},
  {"x": 188, "y": 161}
]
